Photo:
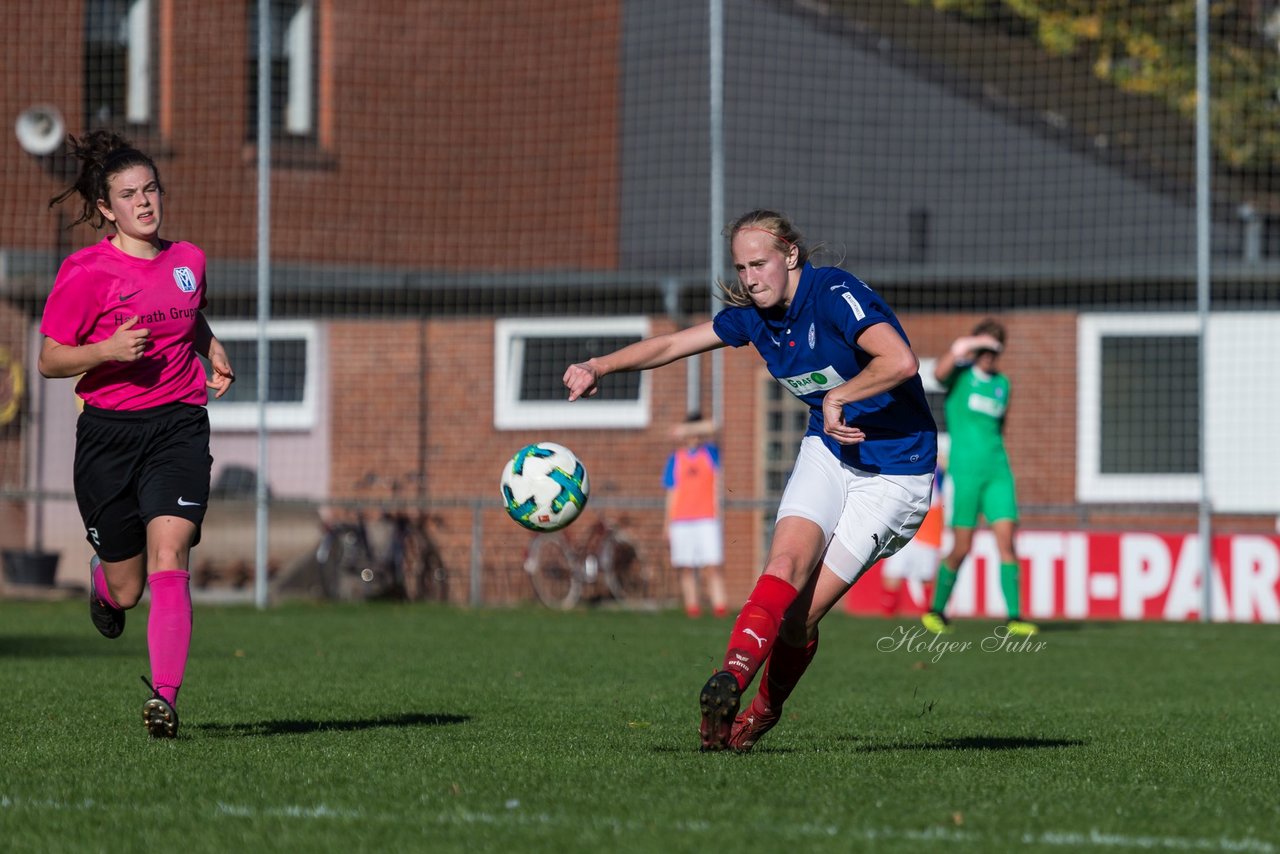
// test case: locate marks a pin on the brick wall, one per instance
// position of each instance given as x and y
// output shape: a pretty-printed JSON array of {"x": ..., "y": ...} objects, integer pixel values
[
  {"x": 413, "y": 397},
  {"x": 377, "y": 401},
  {"x": 389, "y": 374},
  {"x": 427, "y": 159},
  {"x": 426, "y": 153}
]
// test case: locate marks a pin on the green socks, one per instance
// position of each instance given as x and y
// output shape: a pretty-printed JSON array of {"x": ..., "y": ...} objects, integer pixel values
[
  {"x": 1009, "y": 575},
  {"x": 1009, "y": 586},
  {"x": 942, "y": 587}
]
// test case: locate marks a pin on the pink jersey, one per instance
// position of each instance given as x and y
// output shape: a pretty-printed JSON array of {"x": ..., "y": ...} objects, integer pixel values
[{"x": 99, "y": 288}]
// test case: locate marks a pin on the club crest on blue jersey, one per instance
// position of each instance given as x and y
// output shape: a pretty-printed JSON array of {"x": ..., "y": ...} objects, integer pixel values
[{"x": 185, "y": 279}]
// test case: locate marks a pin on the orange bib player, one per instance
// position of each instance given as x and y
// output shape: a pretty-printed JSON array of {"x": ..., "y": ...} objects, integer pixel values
[
  {"x": 918, "y": 559},
  {"x": 695, "y": 531}
]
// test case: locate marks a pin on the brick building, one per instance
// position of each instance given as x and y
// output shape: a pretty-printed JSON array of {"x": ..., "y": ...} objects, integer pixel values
[{"x": 440, "y": 170}]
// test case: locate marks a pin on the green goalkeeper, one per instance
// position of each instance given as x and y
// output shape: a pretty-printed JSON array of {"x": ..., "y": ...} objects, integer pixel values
[{"x": 981, "y": 478}]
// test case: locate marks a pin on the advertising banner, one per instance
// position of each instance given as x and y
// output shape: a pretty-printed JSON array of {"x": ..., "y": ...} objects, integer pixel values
[{"x": 1082, "y": 575}]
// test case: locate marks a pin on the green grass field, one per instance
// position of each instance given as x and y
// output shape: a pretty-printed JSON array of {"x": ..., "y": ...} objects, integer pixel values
[{"x": 411, "y": 728}]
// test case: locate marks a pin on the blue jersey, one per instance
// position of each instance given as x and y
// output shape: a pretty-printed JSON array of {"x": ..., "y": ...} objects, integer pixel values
[{"x": 810, "y": 347}]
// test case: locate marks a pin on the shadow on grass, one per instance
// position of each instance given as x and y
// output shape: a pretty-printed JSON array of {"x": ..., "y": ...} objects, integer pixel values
[
  {"x": 1051, "y": 626},
  {"x": 302, "y": 727},
  {"x": 969, "y": 742},
  {"x": 692, "y": 747},
  {"x": 86, "y": 645}
]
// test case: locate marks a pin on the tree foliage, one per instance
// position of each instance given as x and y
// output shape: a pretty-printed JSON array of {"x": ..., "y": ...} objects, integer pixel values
[{"x": 1149, "y": 47}]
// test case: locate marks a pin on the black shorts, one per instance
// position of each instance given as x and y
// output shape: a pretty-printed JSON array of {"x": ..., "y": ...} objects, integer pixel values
[{"x": 131, "y": 467}]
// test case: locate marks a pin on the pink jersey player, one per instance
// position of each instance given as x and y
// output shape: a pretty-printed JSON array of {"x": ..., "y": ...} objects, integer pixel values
[{"x": 125, "y": 316}]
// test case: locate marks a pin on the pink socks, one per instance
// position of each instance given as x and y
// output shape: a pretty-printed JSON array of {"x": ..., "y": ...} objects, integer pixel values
[
  {"x": 100, "y": 586},
  {"x": 168, "y": 629}
]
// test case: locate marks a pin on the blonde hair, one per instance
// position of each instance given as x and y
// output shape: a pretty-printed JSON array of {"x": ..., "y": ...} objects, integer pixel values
[{"x": 784, "y": 236}]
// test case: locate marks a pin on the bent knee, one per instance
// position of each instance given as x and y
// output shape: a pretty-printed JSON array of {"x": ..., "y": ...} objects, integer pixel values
[
  {"x": 162, "y": 559},
  {"x": 128, "y": 598}
]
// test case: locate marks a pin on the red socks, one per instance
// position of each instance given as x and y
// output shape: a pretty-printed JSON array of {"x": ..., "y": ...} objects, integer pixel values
[
  {"x": 783, "y": 671},
  {"x": 889, "y": 598},
  {"x": 756, "y": 628},
  {"x": 169, "y": 630}
]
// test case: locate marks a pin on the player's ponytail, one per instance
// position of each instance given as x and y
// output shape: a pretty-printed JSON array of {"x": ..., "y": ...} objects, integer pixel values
[{"x": 102, "y": 153}]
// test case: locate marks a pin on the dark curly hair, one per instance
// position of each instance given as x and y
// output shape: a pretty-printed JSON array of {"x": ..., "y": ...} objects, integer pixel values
[{"x": 102, "y": 154}]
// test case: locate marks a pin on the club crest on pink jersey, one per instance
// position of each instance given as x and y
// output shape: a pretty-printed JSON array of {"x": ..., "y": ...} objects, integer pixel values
[{"x": 185, "y": 279}]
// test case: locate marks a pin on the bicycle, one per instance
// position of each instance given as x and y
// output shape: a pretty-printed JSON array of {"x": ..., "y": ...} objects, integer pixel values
[
  {"x": 408, "y": 565},
  {"x": 560, "y": 567}
]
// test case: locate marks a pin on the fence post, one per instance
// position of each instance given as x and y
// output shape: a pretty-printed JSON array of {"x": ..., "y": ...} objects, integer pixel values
[{"x": 477, "y": 534}]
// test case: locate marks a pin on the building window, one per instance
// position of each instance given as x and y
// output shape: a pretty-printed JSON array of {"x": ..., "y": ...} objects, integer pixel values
[
  {"x": 119, "y": 41},
  {"x": 530, "y": 357},
  {"x": 1149, "y": 391},
  {"x": 786, "y": 418},
  {"x": 291, "y": 376},
  {"x": 293, "y": 69},
  {"x": 1139, "y": 408}
]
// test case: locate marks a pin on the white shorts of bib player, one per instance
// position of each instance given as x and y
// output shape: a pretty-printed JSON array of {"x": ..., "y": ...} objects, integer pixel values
[
  {"x": 916, "y": 561},
  {"x": 697, "y": 542},
  {"x": 866, "y": 517}
]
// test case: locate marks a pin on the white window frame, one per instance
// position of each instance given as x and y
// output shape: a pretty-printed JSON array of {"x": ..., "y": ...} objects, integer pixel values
[
  {"x": 511, "y": 413},
  {"x": 1240, "y": 397},
  {"x": 299, "y": 47},
  {"x": 301, "y": 415},
  {"x": 138, "y": 89},
  {"x": 1091, "y": 483},
  {"x": 133, "y": 33}
]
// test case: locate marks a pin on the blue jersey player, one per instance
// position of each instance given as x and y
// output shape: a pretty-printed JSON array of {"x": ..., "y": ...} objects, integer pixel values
[{"x": 863, "y": 478}]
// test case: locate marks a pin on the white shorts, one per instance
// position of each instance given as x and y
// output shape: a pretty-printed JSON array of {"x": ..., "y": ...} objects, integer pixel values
[
  {"x": 865, "y": 517},
  {"x": 697, "y": 542}
]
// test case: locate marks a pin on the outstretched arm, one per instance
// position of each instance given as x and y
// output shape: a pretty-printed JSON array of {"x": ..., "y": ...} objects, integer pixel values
[{"x": 582, "y": 379}]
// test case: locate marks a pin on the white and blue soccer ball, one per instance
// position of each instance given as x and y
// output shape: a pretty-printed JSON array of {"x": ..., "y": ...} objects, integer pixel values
[{"x": 544, "y": 486}]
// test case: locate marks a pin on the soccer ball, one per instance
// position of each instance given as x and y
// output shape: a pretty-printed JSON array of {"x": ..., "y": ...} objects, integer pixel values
[{"x": 544, "y": 486}]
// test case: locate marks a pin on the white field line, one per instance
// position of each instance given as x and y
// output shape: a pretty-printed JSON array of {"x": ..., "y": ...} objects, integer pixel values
[{"x": 512, "y": 815}]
